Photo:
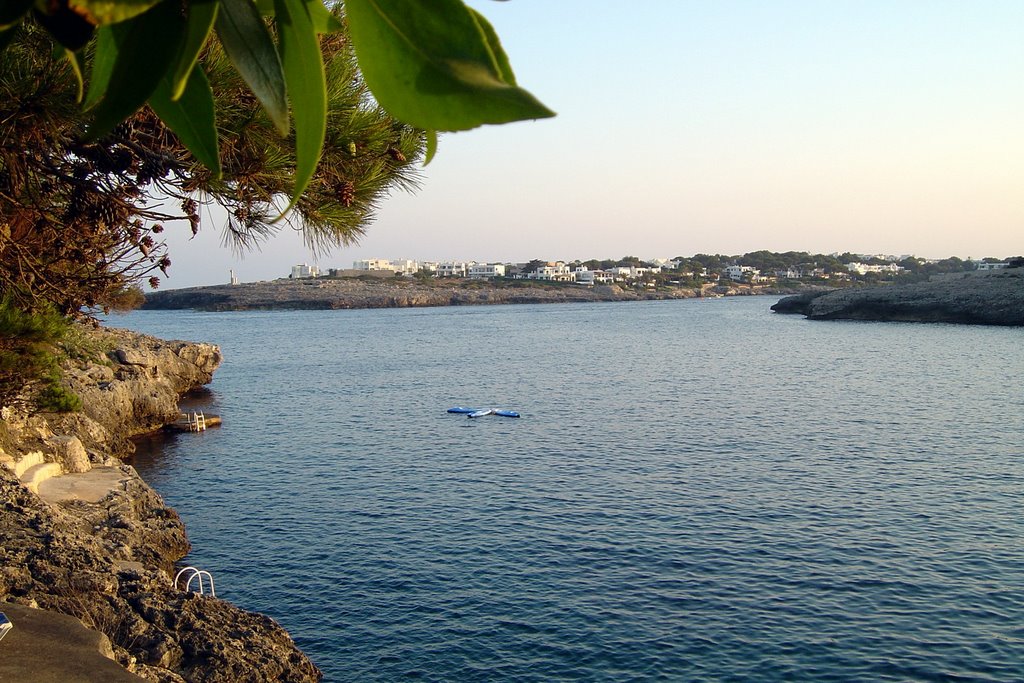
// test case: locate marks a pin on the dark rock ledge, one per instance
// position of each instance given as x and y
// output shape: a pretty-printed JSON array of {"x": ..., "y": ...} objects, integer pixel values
[
  {"x": 986, "y": 298},
  {"x": 110, "y": 563}
]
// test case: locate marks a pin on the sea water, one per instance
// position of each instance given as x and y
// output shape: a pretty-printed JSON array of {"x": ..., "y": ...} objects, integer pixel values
[{"x": 697, "y": 490}]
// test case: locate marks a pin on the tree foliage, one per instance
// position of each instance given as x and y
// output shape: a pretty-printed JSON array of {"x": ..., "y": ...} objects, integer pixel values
[
  {"x": 435, "y": 64},
  {"x": 81, "y": 221},
  {"x": 118, "y": 117},
  {"x": 27, "y": 356}
]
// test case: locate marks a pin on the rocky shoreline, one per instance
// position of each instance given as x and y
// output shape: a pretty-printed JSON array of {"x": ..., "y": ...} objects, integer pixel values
[
  {"x": 110, "y": 561},
  {"x": 979, "y": 298},
  {"x": 395, "y": 292}
]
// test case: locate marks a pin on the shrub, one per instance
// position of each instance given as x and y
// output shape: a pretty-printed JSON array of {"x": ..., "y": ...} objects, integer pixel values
[
  {"x": 55, "y": 398},
  {"x": 28, "y": 356}
]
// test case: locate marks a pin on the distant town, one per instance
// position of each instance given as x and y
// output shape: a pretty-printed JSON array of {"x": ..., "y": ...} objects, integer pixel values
[{"x": 759, "y": 267}]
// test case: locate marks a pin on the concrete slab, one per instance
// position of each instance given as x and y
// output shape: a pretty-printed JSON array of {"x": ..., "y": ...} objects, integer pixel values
[
  {"x": 91, "y": 486},
  {"x": 48, "y": 647}
]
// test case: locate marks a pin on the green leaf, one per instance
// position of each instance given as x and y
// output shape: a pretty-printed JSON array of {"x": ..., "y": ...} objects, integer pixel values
[
  {"x": 76, "y": 68},
  {"x": 145, "y": 47},
  {"x": 191, "y": 117},
  {"x": 323, "y": 19},
  {"x": 251, "y": 49},
  {"x": 307, "y": 87},
  {"x": 494, "y": 45},
  {"x": 201, "y": 15},
  {"x": 431, "y": 150},
  {"x": 103, "y": 61},
  {"x": 102, "y": 12},
  {"x": 434, "y": 65},
  {"x": 12, "y": 12}
]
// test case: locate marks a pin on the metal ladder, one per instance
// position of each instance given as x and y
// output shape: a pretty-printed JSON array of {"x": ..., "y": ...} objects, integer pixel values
[
  {"x": 196, "y": 422},
  {"x": 192, "y": 574}
]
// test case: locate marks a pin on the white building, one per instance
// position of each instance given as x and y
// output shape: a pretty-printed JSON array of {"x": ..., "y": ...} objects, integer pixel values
[
  {"x": 372, "y": 264},
  {"x": 303, "y": 271},
  {"x": 864, "y": 268},
  {"x": 737, "y": 273},
  {"x": 453, "y": 269},
  {"x": 664, "y": 263},
  {"x": 487, "y": 270},
  {"x": 992, "y": 266},
  {"x": 404, "y": 266},
  {"x": 552, "y": 272},
  {"x": 585, "y": 276}
]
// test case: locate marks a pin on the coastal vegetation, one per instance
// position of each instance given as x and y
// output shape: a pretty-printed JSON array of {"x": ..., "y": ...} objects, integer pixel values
[
  {"x": 29, "y": 355},
  {"x": 122, "y": 119}
]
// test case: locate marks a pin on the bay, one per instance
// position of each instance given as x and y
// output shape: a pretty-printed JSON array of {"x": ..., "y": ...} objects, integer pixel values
[{"x": 697, "y": 490}]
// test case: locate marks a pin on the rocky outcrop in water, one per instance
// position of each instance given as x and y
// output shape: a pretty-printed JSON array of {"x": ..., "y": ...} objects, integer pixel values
[
  {"x": 110, "y": 561},
  {"x": 987, "y": 298}
]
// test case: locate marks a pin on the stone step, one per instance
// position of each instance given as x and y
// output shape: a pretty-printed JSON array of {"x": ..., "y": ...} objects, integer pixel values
[
  {"x": 37, "y": 474},
  {"x": 28, "y": 461}
]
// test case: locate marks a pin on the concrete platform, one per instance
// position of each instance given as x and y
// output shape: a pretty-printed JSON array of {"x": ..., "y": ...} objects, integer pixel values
[
  {"x": 48, "y": 647},
  {"x": 91, "y": 486}
]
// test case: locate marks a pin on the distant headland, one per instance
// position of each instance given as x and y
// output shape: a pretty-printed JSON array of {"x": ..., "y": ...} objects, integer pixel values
[
  {"x": 988, "y": 297},
  {"x": 383, "y": 283},
  {"x": 368, "y": 291}
]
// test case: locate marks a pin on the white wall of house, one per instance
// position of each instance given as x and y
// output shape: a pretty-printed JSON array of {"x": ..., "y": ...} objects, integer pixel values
[
  {"x": 737, "y": 273},
  {"x": 584, "y": 276},
  {"x": 864, "y": 268},
  {"x": 304, "y": 271},
  {"x": 555, "y": 272},
  {"x": 487, "y": 270},
  {"x": 453, "y": 269},
  {"x": 372, "y": 264}
]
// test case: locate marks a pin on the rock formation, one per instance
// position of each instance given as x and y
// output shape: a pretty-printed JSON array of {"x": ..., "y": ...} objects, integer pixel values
[
  {"x": 110, "y": 562},
  {"x": 397, "y": 292},
  {"x": 984, "y": 298}
]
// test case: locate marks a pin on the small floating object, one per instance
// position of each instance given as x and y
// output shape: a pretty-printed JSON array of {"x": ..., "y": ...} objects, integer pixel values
[{"x": 477, "y": 412}]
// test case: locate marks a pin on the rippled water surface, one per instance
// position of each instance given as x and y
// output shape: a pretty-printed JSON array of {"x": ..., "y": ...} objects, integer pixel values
[{"x": 697, "y": 490}]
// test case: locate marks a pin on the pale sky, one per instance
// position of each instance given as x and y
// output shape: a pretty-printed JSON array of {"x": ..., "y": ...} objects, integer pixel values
[{"x": 719, "y": 126}]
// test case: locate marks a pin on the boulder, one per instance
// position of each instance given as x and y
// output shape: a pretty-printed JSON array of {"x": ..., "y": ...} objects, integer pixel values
[{"x": 69, "y": 452}]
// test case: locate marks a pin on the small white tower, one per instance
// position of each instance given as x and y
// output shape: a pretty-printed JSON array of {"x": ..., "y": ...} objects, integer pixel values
[{"x": 234, "y": 278}]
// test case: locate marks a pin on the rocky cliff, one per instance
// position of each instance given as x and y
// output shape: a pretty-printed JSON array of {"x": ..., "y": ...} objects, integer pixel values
[
  {"x": 394, "y": 292},
  {"x": 987, "y": 298},
  {"x": 109, "y": 560}
]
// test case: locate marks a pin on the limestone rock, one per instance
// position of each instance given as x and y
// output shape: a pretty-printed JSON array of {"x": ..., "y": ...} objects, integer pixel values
[
  {"x": 984, "y": 298},
  {"x": 348, "y": 293},
  {"x": 69, "y": 452},
  {"x": 110, "y": 563}
]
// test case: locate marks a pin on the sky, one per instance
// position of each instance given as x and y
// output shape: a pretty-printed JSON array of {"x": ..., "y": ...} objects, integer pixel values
[{"x": 718, "y": 126}]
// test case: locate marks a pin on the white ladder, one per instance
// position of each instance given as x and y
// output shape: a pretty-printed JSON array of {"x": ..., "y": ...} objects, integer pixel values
[
  {"x": 196, "y": 422},
  {"x": 192, "y": 574}
]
